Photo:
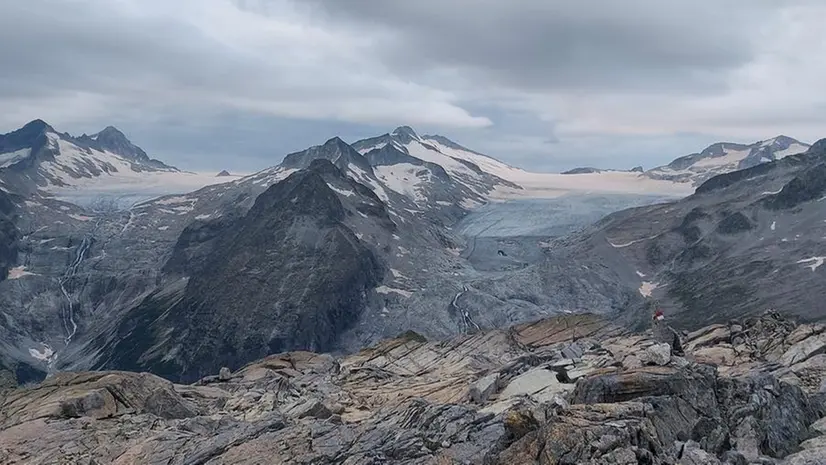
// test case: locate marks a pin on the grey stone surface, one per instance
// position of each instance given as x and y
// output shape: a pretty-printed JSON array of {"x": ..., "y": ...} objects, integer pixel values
[{"x": 406, "y": 401}]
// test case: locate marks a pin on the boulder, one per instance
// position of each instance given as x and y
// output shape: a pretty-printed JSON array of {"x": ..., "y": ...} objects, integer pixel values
[
  {"x": 540, "y": 384},
  {"x": 804, "y": 349},
  {"x": 97, "y": 395},
  {"x": 716, "y": 355},
  {"x": 657, "y": 354},
  {"x": 692, "y": 454},
  {"x": 483, "y": 388}
]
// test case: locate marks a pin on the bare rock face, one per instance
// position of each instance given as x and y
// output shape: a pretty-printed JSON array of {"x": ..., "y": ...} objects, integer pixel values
[
  {"x": 96, "y": 395},
  {"x": 558, "y": 391}
]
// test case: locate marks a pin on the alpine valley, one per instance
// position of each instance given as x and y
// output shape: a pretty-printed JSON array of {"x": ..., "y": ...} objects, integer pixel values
[{"x": 111, "y": 260}]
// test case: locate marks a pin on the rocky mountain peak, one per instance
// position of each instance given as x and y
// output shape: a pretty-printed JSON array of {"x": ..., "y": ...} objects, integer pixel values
[
  {"x": 404, "y": 135},
  {"x": 334, "y": 150},
  {"x": 36, "y": 127},
  {"x": 405, "y": 131},
  {"x": 726, "y": 157},
  {"x": 113, "y": 140},
  {"x": 31, "y": 135}
]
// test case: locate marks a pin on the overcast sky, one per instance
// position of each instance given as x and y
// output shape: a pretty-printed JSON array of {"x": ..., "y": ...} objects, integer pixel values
[{"x": 543, "y": 84}]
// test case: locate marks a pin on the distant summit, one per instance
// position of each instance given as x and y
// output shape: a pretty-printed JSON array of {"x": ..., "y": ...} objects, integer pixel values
[
  {"x": 583, "y": 170},
  {"x": 37, "y": 157},
  {"x": 223, "y": 174},
  {"x": 725, "y": 157},
  {"x": 592, "y": 170}
]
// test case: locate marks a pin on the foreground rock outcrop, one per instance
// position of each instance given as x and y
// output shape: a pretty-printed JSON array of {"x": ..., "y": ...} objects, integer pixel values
[{"x": 571, "y": 390}]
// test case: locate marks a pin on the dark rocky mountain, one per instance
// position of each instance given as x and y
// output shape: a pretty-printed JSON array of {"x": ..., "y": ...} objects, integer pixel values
[
  {"x": 724, "y": 157},
  {"x": 334, "y": 150},
  {"x": 9, "y": 235},
  {"x": 223, "y": 173},
  {"x": 292, "y": 275}
]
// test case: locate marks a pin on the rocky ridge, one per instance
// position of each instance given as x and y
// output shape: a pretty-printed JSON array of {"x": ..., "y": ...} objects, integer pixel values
[
  {"x": 568, "y": 390},
  {"x": 724, "y": 157}
]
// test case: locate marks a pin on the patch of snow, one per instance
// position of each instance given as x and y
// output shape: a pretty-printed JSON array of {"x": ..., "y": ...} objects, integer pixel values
[
  {"x": 344, "y": 192},
  {"x": 628, "y": 244},
  {"x": 80, "y": 217},
  {"x": 18, "y": 272},
  {"x": 640, "y": 274},
  {"x": 9, "y": 158},
  {"x": 469, "y": 204},
  {"x": 163, "y": 228},
  {"x": 397, "y": 274},
  {"x": 793, "y": 149},
  {"x": 429, "y": 152},
  {"x": 203, "y": 217},
  {"x": 361, "y": 176},
  {"x": 175, "y": 200},
  {"x": 772, "y": 193},
  {"x": 183, "y": 210},
  {"x": 487, "y": 164},
  {"x": 371, "y": 148},
  {"x": 816, "y": 262},
  {"x": 388, "y": 290},
  {"x": 732, "y": 158},
  {"x": 774, "y": 226},
  {"x": 406, "y": 179},
  {"x": 647, "y": 288},
  {"x": 44, "y": 356}
]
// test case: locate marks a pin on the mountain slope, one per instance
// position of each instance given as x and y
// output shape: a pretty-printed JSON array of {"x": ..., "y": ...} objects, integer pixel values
[
  {"x": 9, "y": 235},
  {"x": 289, "y": 274},
  {"x": 725, "y": 157},
  {"x": 747, "y": 241}
]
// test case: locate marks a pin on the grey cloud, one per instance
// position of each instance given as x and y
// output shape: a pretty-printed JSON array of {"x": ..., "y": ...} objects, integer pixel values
[
  {"x": 589, "y": 45},
  {"x": 146, "y": 54}
]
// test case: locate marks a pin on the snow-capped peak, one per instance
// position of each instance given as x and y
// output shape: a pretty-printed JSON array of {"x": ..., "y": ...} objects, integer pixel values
[
  {"x": 724, "y": 157},
  {"x": 38, "y": 158},
  {"x": 405, "y": 132}
]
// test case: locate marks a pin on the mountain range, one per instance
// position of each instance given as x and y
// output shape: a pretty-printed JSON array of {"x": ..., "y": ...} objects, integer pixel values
[{"x": 342, "y": 245}]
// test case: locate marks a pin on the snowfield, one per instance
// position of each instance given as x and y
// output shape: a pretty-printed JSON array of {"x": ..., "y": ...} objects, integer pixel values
[
  {"x": 127, "y": 189},
  {"x": 552, "y": 185}
]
